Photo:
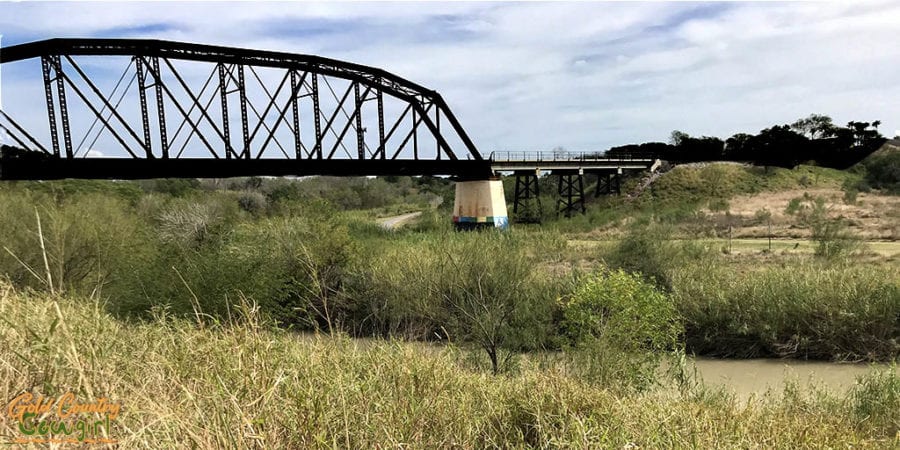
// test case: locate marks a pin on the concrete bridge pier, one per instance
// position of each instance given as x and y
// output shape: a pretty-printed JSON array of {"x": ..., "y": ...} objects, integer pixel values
[{"x": 480, "y": 204}]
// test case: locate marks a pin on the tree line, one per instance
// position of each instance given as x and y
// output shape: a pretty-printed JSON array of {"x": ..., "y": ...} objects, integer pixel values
[{"x": 814, "y": 140}]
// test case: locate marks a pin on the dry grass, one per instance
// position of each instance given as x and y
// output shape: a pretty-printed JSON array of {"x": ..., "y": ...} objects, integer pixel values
[
  {"x": 873, "y": 216},
  {"x": 241, "y": 385}
]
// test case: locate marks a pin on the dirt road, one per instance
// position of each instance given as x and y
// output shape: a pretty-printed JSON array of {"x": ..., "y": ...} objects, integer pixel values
[{"x": 391, "y": 223}]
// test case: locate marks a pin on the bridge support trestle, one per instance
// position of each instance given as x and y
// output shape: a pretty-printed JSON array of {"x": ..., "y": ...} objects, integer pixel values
[
  {"x": 608, "y": 184},
  {"x": 571, "y": 194},
  {"x": 527, "y": 200},
  {"x": 480, "y": 204}
]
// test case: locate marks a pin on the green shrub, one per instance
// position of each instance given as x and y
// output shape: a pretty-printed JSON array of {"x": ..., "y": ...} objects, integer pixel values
[
  {"x": 619, "y": 325},
  {"x": 883, "y": 171}
]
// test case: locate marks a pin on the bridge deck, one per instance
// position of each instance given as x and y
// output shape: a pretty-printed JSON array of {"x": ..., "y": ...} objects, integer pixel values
[
  {"x": 51, "y": 168},
  {"x": 38, "y": 166}
]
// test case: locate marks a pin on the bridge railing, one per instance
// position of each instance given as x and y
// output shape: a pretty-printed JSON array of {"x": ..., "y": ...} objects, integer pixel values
[{"x": 566, "y": 156}]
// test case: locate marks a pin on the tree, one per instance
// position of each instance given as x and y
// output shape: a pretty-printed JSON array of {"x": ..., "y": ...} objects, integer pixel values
[
  {"x": 487, "y": 287},
  {"x": 779, "y": 146},
  {"x": 737, "y": 147},
  {"x": 704, "y": 148},
  {"x": 865, "y": 134},
  {"x": 816, "y": 126},
  {"x": 677, "y": 137}
]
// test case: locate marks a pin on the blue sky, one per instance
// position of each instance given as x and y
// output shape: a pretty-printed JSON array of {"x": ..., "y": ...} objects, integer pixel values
[{"x": 584, "y": 76}]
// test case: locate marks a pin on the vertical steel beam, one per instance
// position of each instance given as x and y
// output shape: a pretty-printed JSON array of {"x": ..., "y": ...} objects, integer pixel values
[
  {"x": 295, "y": 109},
  {"x": 160, "y": 107},
  {"x": 145, "y": 115},
  {"x": 223, "y": 94},
  {"x": 51, "y": 109},
  {"x": 317, "y": 113},
  {"x": 245, "y": 125},
  {"x": 381, "y": 125},
  {"x": 415, "y": 135},
  {"x": 518, "y": 195},
  {"x": 223, "y": 91},
  {"x": 360, "y": 139},
  {"x": 437, "y": 124}
]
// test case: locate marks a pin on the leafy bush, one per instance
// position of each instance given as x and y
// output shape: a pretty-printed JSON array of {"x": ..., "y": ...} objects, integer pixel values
[
  {"x": 619, "y": 324},
  {"x": 253, "y": 202},
  {"x": 883, "y": 170}
]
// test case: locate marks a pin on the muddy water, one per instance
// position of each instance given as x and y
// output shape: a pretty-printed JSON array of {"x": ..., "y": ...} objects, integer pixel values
[{"x": 755, "y": 376}]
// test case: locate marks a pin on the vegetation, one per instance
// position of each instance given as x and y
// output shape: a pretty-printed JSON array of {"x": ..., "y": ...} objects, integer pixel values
[
  {"x": 149, "y": 248},
  {"x": 278, "y": 314},
  {"x": 619, "y": 326},
  {"x": 251, "y": 385},
  {"x": 814, "y": 139},
  {"x": 882, "y": 170}
]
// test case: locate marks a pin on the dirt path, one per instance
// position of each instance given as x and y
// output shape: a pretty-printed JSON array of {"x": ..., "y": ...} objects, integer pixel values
[{"x": 394, "y": 222}]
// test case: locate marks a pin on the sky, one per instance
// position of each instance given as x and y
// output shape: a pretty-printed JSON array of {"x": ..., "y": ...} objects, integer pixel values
[{"x": 534, "y": 76}]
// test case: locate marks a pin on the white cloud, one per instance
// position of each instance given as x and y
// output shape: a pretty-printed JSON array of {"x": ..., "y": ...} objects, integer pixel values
[{"x": 538, "y": 75}]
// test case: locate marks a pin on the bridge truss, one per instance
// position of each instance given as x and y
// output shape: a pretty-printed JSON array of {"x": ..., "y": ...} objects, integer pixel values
[{"x": 181, "y": 109}]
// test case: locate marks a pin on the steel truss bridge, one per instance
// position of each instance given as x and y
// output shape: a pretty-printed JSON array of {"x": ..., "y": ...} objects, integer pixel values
[{"x": 183, "y": 110}]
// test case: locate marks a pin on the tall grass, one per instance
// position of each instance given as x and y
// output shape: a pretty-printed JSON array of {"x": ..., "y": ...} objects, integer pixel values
[
  {"x": 806, "y": 310},
  {"x": 239, "y": 383}
]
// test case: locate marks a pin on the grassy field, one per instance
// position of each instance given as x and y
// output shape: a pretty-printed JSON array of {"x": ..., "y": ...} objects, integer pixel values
[{"x": 241, "y": 384}]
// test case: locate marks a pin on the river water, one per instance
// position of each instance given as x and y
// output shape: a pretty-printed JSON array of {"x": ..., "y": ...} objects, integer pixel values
[{"x": 755, "y": 376}]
